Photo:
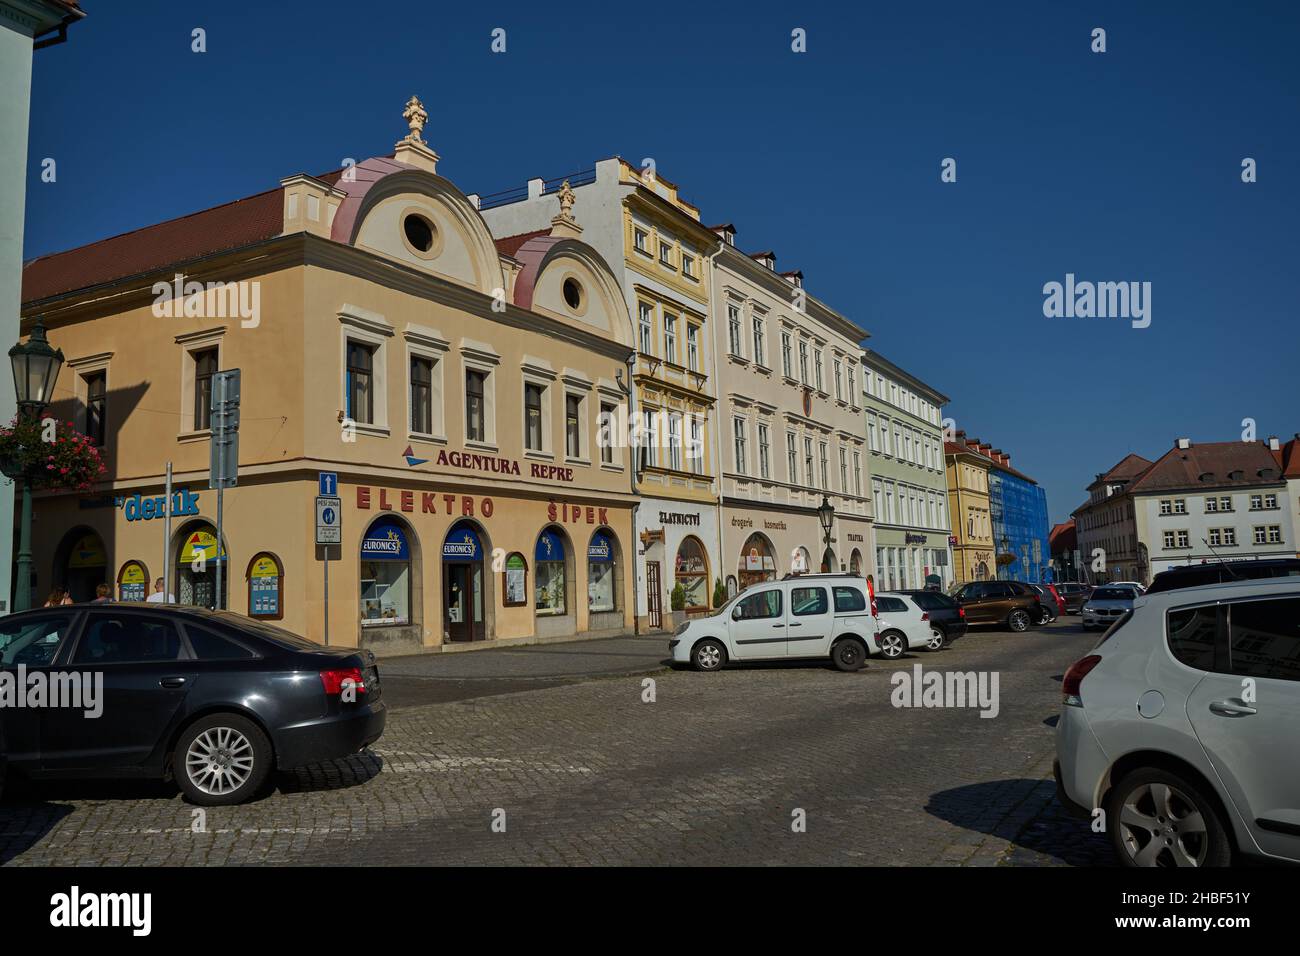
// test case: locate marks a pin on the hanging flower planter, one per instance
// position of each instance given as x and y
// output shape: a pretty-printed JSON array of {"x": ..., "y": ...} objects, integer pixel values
[{"x": 69, "y": 462}]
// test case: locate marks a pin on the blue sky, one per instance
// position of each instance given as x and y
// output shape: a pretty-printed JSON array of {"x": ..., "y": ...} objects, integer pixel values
[{"x": 1122, "y": 166}]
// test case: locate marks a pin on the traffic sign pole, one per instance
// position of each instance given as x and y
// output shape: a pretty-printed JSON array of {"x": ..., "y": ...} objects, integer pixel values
[{"x": 329, "y": 529}]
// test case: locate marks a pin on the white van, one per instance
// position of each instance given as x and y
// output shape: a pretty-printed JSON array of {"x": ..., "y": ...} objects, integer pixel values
[{"x": 803, "y": 616}]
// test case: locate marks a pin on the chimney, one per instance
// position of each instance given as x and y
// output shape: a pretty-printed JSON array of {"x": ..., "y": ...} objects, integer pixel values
[
  {"x": 1273, "y": 444},
  {"x": 1183, "y": 443}
]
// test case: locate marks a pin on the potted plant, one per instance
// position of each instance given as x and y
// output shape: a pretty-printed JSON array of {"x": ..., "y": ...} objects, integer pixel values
[
  {"x": 719, "y": 593},
  {"x": 677, "y": 601}
]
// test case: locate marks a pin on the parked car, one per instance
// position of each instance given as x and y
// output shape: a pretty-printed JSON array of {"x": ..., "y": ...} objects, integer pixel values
[
  {"x": 804, "y": 616},
  {"x": 1181, "y": 725},
  {"x": 903, "y": 625},
  {"x": 1073, "y": 594},
  {"x": 999, "y": 602},
  {"x": 213, "y": 700},
  {"x": 1051, "y": 603},
  {"x": 1215, "y": 572},
  {"x": 1135, "y": 585},
  {"x": 1106, "y": 604},
  {"x": 947, "y": 617}
]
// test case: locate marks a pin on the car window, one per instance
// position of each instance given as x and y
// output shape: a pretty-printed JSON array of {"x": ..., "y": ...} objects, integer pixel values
[
  {"x": 753, "y": 607},
  {"x": 850, "y": 599},
  {"x": 805, "y": 601},
  {"x": 1000, "y": 590},
  {"x": 891, "y": 605},
  {"x": 209, "y": 646},
  {"x": 32, "y": 641},
  {"x": 1191, "y": 635},
  {"x": 1113, "y": 594},
  {"x": 270, "y": 632},
  {"x": 1264, "y": 638},
  {"x": 127, "y": 639},
  {"x": 929, "y": 601}
]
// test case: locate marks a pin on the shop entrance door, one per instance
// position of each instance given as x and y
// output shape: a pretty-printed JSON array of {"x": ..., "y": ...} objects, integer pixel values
[
  {"x": 654, "y": 598},
  {"x": 463, "y": 601}
]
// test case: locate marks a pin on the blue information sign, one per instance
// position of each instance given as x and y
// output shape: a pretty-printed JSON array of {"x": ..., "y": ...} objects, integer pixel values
[{"x": 329, "y": 484}]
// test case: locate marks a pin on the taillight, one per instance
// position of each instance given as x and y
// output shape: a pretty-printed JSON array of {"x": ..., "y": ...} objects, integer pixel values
[
  {"x": 961, "y": 612},
  {"x": 1074, "y": 677},
  {"x": 925, "y": 615},
  {"x": 335, "y": 680},
  {"x": 871, "y": 593}
]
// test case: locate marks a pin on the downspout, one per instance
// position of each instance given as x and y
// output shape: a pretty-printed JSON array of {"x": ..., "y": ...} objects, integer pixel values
[{"x": 630, "y": 390}]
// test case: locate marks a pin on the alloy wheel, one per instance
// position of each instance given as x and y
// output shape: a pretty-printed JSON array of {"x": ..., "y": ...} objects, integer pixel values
[
  {"x": 891, "y": 645},
  {"x": 219, "y": 761},
  {"x": 936, "y": 639},
  {"x": 708, "y": 657},
  {"x": 1160, "y": 825}
]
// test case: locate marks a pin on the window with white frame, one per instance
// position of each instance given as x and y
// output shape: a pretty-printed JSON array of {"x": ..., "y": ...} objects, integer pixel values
[
  {"x": 758, "y": 341},
  {"x": 809, "y": 475},
  {"x": 738, "y": 437},
  {"x": 1275, "y": 534},
  {"x": 844, "y": 470},
  {"x": 534, "y": 414},
  {"x": 675, "y": 441},
  {"x": 786, "y": 357},
  {"x": 791, "y": 458},
  {"x": 853, "y": 389},
  {"x": 733, "y": 330},
  {"x": 857, "y": 473},
  {"x": 649, "y": 437},
  {"x": 608, "y": 426},
  {"x": 764, "y": 452},
  {"x": 695, "y": 452},
  {"x": 839, "y": 391},
  {"x": 670, "y": 338},
  {"x": 646, "y": 313},
  {"x": 826, "y": 479},
  {"x": 803, "y": 361},
  {"x": 693, "y": 347},
  {"x": 817, "y": 368},
  {"x": 575, "y": 417}
]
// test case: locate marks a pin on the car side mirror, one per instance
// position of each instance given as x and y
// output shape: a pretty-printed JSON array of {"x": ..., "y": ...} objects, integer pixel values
[{"x": 736, "y": 613}]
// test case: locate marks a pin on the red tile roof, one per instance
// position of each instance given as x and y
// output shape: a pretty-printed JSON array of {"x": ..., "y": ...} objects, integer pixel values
[
  {"x": 1184, "y": 467},
  {"x": 509, "y": 245},
  {"x": 228, "y": 226},
  {"x": 1129, "y": 466}
]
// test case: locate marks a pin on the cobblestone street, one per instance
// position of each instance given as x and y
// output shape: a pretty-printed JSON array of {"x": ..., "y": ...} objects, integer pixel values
[{"x": 584, "y": 772}]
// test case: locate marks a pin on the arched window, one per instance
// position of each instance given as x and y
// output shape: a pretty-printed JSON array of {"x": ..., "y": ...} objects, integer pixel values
[
  {"x": 386, "y": 574},
  {"x": 548, "y": 574},
  {"x": 692, "y": 573},
  {"x": 757, "y": 561},
  {"x": 602, "y": 565},
  {"x": 196, "y": 568}
]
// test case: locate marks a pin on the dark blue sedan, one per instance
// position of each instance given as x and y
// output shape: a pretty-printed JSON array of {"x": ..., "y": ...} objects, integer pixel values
[{"x": 213, "y": 700}]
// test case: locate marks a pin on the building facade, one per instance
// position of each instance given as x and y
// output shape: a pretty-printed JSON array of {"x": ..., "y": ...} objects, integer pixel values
[
  {"x": 1018, "y": 507},
  {"x": 909, "y": 484},
  {"x": 25, "y": 26},
  {"x": 1202, "y": 502},
  {"x": 967, "y": 476},
  {"x": 661, "y": 254},
  {"x": 455, "y": 387},
  {"x": 1106, "y": 525},
  {"x": 789, "y": 424}
]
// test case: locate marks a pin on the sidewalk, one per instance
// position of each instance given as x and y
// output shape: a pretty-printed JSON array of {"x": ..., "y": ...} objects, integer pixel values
[{"x": 550, "y": 661}]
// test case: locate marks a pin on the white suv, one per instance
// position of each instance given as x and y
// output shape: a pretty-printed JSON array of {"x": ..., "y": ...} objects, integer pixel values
[
  {"x": 803, "y": 616},
  {"x": 1182, "y": 724}
]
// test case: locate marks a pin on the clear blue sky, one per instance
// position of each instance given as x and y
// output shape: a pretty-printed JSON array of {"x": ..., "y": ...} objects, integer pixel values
[{"x": 1116, "y": 166}]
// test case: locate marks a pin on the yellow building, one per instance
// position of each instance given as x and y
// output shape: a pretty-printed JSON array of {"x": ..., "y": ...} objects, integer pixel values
[
  {"x": 967, "y": 470},
  {"x": 454, "y": 385}
]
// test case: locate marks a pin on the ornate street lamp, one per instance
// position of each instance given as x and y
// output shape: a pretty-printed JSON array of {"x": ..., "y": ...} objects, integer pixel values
[
  {"x": 36, "y": 368},
  {"x": 826, "y": 515}
]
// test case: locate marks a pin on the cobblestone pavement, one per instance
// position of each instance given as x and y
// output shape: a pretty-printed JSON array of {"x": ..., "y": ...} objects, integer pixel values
[{"x": 714, "y": 771}]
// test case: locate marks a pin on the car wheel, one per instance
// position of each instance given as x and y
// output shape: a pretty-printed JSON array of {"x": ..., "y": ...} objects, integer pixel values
[
  {"x": 708, "y": 655},
  {"x": 937, "y": 641},
  {"x": 221, "y": 760},
  {"x": 1018, "y": 620},
  {"x": 892, "y": 645},
  {"x": 1043, "y": 616},
  {"x": 1159, "y": 819},
  {"x": 849, "y": 654}
]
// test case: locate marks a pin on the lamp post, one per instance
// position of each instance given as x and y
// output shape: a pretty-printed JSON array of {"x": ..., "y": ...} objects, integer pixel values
[
  {"x": 826, "y": 515},
  {"x": 36, "y": 368}
]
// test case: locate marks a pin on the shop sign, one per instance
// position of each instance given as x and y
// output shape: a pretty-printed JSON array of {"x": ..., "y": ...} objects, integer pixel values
[
  {"x": 678, "y": 517},
  {"x": 138, "y": 508},
  {"x": 549, "y": 547},
  {"x": 264, "y": 587},
  {"x": 200, "y": 547},
  {"x": 910, "y": 538},
  {"x": 462, "y": 545},
  {"x": 385, "y": 541},
  {"x": 565, "y": 513},
  {"x": 463, "y": 506},
  {"x": 132, "y": 582},
  {"x": 88, "y": 553},
  {"x": 600, "y": 551},
  {"x": 853, "y": 537}
]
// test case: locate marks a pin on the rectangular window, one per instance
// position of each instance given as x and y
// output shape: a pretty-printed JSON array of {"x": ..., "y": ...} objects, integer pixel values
[
  {"x": 639, "y": 240},
  {"x": 1263, "y": 639},
  {"x": 1229, "y": 536},
  {"x": 96, "y": 403},
  {"x": 1270, "y": 501},
  {"x": 1256, "y": 502},
  {"x": 475, "y": 410},
  {"x": 675, "y": 441},
  {"x": 803, "y": 362},
  {"x": 608, "y": 422},
  {"x": 826, "y": 479},
  {"x": 764, "y": 453},
  {"x": 871, "y": 433},
  {"x": 817, "y": 368},
  {"x": 205, "y": 366},
  {"x": 758, "y": 341},
  {"x": 1180, "y": 506},
  {"x": 839, "y": 391},
  {"x": 1211, "y": 505},
  {"x": 670, "y": 338},
  {"x": 1169, "y": 539},
  {"x": 421, "y": 395},
  {"x": 693, "y": 347},
  {"x": 688, "y": 265},
  {"x": 806, "y": 601},
  {"x": 646, "y": 313},
  {"x": 665, "y": 254},
  {"x": 1260, "y": 536},
  {"x": 786, "y": 356},
  {"x": 733, "y": 329},
  {"x": 1166, "y": 507},
  {"x": 1182, "y": 539},
  {"x": 844, "y": 471},
  {"x": 853, "y": 398},
  {"x": 738, "y": 432},
  {"x": 1215, "y": 537},
  {"x": 809, "y": 475},
  {"x": 791, "y": 458},
  {"x": 695, "y": 453},
  {"x": 1275, "y": 534},
  {"x": 649, "y": 438},
  {"x": 533, "y": 439},
  {"x": 573, "y": 426},
  {"x": 857, "y": 473}
]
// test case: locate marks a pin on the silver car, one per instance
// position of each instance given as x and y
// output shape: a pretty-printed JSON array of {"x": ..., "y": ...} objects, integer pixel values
[
  {"x": 1179, "y": 730},
  {"x": 1106, "y": 605}
]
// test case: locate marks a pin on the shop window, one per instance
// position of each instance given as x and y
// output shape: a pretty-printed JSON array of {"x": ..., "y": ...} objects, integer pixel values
[
  {"x": 132, "y": 582},
  {"x": 692, "y": 573},
  {"x": 548, "y": 574},
  {"x": 196, "y": 565},
  {"x": 385, "y": 575},
  {"x": 757, "y": 562},
  {"x": 83, "y": 562},
  {"x": 266, "y": 587},
  {"x": 602, "y": 592},
  {"x": 514, "y": 580}
]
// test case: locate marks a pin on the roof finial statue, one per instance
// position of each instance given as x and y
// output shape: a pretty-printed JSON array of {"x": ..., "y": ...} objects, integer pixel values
[
  {"x": 415, "y": 117},
  {"x": 567, "y": 199}
]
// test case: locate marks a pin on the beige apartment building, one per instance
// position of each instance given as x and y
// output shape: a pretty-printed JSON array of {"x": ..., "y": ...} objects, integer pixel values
[
  {"x": 789, "y": 424},
  {"x": 973, "y": 553},
  {"x": 455, "y": 386}
]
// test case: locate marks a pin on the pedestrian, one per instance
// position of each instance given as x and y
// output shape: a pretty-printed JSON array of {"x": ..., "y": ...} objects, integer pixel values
[
  {"x": 55, "y": 598},
  {"x": 158, "y": 597},
  {"x": 103, "y": 594}
]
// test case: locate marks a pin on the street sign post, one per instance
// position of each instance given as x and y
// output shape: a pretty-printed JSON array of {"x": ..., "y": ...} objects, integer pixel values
[
  {"x": 329, "y": 531},
  {"x": 223, "y": 469},
  {"x": 329, "y": 484}
]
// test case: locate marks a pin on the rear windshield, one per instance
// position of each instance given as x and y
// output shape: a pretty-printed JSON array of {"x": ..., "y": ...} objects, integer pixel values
[
  {"x": 931, "y": 601},
  {"x": 1113, "y": 594},
  {"x": 270, "y": 632}
]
